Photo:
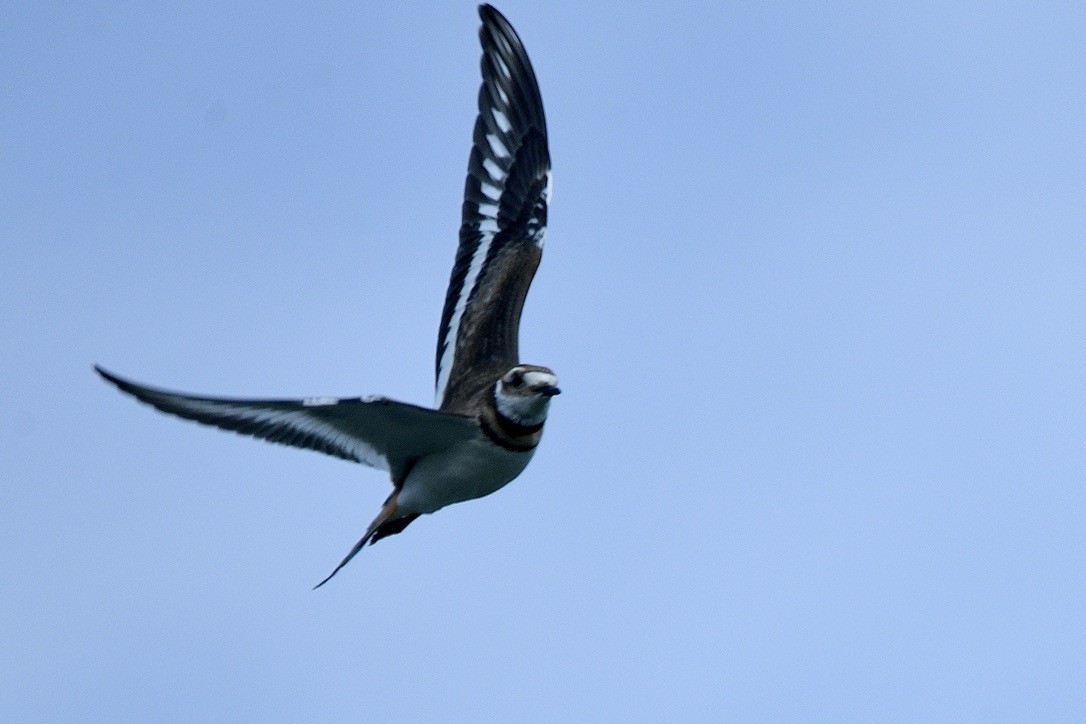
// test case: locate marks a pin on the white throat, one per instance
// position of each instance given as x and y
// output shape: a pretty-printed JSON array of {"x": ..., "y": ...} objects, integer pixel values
[{"x": 522, "y": 409}]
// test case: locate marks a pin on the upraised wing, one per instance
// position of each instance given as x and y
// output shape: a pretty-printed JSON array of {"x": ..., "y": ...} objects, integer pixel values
[
  {"x": 504, "y": 214},
  {"x": 378, "y": 432}
]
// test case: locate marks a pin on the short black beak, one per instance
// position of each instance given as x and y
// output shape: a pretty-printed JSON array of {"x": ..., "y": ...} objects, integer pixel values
[{"x": 549, "y": 391}]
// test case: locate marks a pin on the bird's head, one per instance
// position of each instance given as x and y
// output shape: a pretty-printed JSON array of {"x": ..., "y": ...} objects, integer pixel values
[{"x": 524, "y": 394}]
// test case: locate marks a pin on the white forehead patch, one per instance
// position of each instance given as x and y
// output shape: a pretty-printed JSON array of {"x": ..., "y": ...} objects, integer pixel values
[{"x": 535, "y": 377}]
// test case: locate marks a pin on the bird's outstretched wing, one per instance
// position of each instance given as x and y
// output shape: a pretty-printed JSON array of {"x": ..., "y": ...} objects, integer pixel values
[
  {"x": 504, "y": 214},
  {"x": 378, "y": 432}
]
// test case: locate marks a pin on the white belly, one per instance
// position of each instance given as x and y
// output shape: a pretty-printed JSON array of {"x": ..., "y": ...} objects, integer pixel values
[{"x": 467, "y": 471}]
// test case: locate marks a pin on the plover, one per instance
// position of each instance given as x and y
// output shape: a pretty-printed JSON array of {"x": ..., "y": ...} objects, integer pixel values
[{"x": 490, "y": 407}]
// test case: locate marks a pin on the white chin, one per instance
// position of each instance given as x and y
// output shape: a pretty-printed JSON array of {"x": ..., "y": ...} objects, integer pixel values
[{"x": 523, "y": 410}]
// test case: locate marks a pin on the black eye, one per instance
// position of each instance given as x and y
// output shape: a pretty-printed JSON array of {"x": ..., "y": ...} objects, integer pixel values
[{"x": 516, "y": 379}]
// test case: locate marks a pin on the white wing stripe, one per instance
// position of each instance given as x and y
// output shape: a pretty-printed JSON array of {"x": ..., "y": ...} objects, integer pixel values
[
  {"x": 494, "y": 170},
  {"x": 297, "y": 420},
  {"x": 487, "y": 236},
  {"x": 500, "y": 118},
  {"x": 497, "y": 146}
]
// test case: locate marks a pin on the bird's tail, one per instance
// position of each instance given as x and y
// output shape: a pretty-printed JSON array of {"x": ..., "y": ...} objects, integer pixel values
[{"x": 386, "y": 518}]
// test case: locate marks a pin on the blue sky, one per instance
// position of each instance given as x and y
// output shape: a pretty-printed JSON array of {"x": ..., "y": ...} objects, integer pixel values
[{"x": 815, "y": 287}]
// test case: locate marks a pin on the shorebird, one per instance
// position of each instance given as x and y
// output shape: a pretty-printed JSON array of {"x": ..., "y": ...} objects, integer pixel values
[{"x": 490, "y": 408}]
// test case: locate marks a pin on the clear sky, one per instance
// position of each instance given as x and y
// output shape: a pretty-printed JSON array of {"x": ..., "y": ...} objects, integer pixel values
[{"x": 814, "y": 285}]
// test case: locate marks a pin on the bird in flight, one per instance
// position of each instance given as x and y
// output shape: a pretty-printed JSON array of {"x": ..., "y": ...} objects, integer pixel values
[{"x": 490, "y": 407}]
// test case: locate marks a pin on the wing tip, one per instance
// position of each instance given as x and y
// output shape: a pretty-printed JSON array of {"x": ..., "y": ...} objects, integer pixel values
[
  {"x": 115, "y": 380},
  {"x": 488, "y": 13}
]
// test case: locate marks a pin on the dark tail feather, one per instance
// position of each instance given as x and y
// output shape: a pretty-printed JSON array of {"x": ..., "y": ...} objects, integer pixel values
[
  {"x": 385, "y": 524},
  {"x": 354, "y": 551},
  {"x": 392, "y": 527}
]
